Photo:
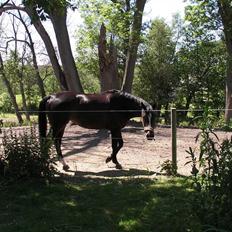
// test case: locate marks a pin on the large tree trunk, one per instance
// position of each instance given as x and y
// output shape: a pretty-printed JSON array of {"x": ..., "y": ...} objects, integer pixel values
[
  {"x": 126, "y": 39},
  {"x": 133, "y": 46},
  {"x": 228, "y": 110},
  {"x": 225, "y": 10},
  {"x": 50, "y": 50},
  {"x": 58, "y": 18},
  {"x": 107, "y": 63},
  {"x": 10, "y": 92}
]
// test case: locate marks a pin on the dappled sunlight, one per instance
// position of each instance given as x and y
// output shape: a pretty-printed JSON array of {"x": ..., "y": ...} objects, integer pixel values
[{"x": 99, "y": 205}]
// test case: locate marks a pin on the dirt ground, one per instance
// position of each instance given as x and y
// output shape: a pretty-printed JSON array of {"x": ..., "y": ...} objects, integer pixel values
[{"x": 85, "y": 151}]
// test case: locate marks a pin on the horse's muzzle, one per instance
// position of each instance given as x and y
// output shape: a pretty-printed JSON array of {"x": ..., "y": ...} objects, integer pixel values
[{"x": 150, "y": 135}]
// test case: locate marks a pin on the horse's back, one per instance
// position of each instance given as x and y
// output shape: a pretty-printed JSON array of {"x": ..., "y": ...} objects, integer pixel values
[
  {"x": 93, "y": 111},
  {"x": 98, "y": 111}
]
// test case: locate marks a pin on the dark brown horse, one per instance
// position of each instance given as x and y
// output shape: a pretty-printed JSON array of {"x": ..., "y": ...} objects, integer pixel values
[{"x": 110, "y": 110}]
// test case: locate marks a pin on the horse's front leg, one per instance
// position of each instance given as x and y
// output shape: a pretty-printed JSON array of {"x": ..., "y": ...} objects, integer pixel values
[{"x": 117, "y": 143}]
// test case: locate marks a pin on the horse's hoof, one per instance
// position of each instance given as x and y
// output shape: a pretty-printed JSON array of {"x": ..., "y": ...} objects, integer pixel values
[
  {"x": 118, "y": 166},
  {"x": 66, "y": 167},
  {"x": 108, "y": 159}
]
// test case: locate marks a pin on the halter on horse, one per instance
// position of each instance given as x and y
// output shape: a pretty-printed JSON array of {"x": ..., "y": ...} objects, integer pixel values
[{"x": 109, "y": 110}]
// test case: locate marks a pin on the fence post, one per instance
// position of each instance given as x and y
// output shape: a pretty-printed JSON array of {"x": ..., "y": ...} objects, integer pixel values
[{"x": 174, "y": 147}]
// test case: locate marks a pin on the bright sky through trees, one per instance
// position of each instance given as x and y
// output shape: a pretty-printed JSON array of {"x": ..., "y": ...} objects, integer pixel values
[
  {"x": 163, "y": 8},
  {"x": 154, "y": 8}
]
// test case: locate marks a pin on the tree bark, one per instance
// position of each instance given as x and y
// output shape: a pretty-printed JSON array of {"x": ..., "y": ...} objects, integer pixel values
[
  {"x": 22, "y": 90},
  {"x": 10, "y": 92},
  {"x": 133, "y": 46},
  {"x": 228, "y": 105},
  {"x": 58, "y": 19},
  {"x": 50, "y": 50},
  {"x": 107, "y": 63},
  {"x": 21, "y": 83},
  {"x": 24, "y": 101},
  {"x": 35, "y": 64},
  {"x": 225, "y": 10}
]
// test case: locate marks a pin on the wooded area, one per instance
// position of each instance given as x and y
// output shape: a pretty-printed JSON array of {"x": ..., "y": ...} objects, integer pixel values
[
  {"x": 184, "y": 64},
  {"x": 187, "y": 64}
]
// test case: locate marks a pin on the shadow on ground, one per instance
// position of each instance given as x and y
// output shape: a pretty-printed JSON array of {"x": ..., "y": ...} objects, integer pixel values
[
  {"x": 117, "y": 173},
  {"x": 93, "y": 140},
  {"x": 98, "y": 205}
]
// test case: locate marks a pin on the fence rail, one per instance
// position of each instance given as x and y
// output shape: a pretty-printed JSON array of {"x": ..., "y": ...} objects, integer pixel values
[
  {"x": 173, "y": 131},
  {"x": 121, "y": 111}
]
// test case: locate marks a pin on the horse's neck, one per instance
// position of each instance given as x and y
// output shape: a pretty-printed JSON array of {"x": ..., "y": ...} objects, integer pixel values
[{"x": 135, "y": 108}]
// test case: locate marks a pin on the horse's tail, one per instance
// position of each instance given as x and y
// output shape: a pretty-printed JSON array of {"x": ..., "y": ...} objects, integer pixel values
[{"x": 42, "y": 119}]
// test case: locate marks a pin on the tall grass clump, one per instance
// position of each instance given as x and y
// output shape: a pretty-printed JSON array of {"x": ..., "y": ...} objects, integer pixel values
[
  {"x": 212, "y": 177},
  {"x": 23, "y": 155}
]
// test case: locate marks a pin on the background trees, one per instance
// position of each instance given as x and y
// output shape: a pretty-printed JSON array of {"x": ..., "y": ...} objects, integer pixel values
[
  {"x": 123, "y": 22},
  {"x": 211, "y": 17},
  {"x": 185, "y": 63},
  {"x": 56, "y": 11},
  {"x": 155, "y": 79}
]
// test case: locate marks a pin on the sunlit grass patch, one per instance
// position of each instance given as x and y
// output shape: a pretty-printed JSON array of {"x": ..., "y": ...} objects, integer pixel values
[
  {"x": 129, "y": 224},
  {"x": 98, "y": 205}
]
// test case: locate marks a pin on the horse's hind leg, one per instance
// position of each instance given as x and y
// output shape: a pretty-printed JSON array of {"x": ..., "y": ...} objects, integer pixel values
[
  {"x": 57, "y": 136},
  {"x": 117, "y": 144}
]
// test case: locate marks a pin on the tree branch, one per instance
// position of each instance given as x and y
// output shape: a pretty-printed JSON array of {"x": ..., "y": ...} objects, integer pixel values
[
  {"x": 1, "y": 64},
  {"x": 3, "y": 4},
  {"x": 6, "y": 7}
]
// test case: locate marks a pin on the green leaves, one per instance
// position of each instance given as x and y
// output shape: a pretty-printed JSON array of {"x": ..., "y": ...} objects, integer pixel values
[
  {"x": 203, "y": 15},
  {"x": 117, "y": 18},
  {"x": 43, "y": 8},
  {"x": 155, "y": 81},
  {"x": 112, "y": 14},
  {"x": 23, "y": 156},
  {"x": 212, "y": 171}
]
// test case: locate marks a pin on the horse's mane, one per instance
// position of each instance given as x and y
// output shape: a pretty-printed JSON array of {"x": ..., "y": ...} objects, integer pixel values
[{"x": 131, "y": 97}]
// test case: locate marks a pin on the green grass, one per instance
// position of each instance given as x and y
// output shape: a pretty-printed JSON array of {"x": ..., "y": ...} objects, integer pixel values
[
  {"x": 10, "y": 120},
  {"x": 98, "y": 205},
  {"x": 12, "y": 116}
]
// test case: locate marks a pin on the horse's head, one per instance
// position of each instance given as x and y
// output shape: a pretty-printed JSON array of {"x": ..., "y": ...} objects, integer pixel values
[{"x": 148, "y": 120}]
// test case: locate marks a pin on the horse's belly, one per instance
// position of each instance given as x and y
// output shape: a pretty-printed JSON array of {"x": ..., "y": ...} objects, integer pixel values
[
  {"x": 91, "y": 123},
  {"x": 99, "y": 121}
]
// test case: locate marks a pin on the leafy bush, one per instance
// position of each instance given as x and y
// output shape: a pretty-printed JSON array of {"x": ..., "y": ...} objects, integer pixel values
[
  {"x": 23, "y": 156},
  {"x": 5, "y": 103},
  {"x": 169, "y": 168},
  {"x": 212, "y": 177}
]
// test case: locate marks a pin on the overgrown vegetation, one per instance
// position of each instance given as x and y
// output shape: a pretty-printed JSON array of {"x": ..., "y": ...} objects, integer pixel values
[
  {"x": 212, "y": 177},
  {"x": 168, "y": 168},
  {"x": 23, "y": 156}
]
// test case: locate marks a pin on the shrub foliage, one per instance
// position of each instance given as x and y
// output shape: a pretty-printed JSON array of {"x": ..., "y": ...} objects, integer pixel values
[
  {"x": 23, "y": 156},
  {"x": 212, "y": 178}
]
